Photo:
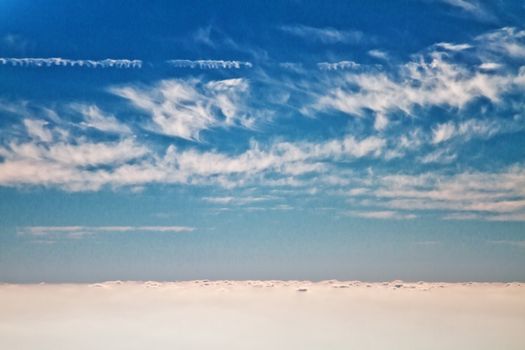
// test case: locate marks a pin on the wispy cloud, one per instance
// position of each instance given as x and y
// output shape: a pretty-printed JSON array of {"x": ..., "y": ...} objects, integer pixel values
[
  {"x": 438, "y": 83},
  {"x": 379, "y": 54},
  {"x": 237, "y": 200},
  {"x": 337, "y": 65},
  {"x": 84, "y": 165},
  {"x": 95, "y": 118},
  {"x": 507, "y": 41},
  {"x": 15, "y": 42},
  {"x": 184, "y": 108},
  {"x": 210, "y": 64},
  {"x": 64, "y": 62},
  {"x": 383, "y": 214},
  {"x": 472, "y": 7},
  {"x": 453, "y": 47},
  {"x": 36, "y": 129},
  {"x": 470, "y": 128},
  {"x": 434, "y": 78},
  {"x": 325, "y": 35},
  {"x": 496, "y": 196},
  {"x": 55, "y": 232},
  {"x": 518, "y": 244}
]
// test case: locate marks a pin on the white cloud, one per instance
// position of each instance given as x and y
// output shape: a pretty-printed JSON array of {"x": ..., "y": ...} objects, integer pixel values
[
  {"x": 337, "y": 65},
  {"x": 508, "y": 41},
  {"x": 184, "y": 108},
  {"x": 453, "y": 47},
  {"x": 65, "y": 164},
  {"x": 419, "y": 83},
  {"x": 325, "y": 35},
  {"x": 473, "y": 128},
  {"x": 439, "y": 76},
  {"x": 64, "y": 62},
  {"x": 443, "y": 132},
  {"x": 472, "y": 7},
  {"x": 95, "y": 118},
  {"x": 383, "y": 214},
  {"x": 379, "y": 54},
  {"x": 237, "y": 200},
  {"x": 54, "y": 232},
  {"x": 490, "y": 66},
  {"x": 292, "y": 66},
  {"x": 91, "y": 165},
  {"x": 209, "y": 64},
  {"x": 82, "y": 153},
  {"x": 37, "y": 130},
  {"x": 443, "y": 156},
  {"x": 497, "y": 196}
]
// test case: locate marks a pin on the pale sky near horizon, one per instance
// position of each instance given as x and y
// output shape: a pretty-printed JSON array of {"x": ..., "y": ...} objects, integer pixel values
[{"x": 165, "y": 140}]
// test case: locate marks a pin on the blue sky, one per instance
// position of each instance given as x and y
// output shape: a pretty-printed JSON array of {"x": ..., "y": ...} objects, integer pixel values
[{"x": 241, "y": 140}]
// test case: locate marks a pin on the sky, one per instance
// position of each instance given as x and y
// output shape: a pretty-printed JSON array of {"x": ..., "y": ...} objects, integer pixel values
[{"x": 170, "y": 140}]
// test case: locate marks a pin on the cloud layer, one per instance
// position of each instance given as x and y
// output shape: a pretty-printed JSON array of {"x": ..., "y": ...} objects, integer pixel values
[{"x": 406, "y": 139}]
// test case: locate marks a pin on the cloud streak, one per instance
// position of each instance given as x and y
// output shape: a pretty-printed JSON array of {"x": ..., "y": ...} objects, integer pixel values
[
  {"x": 325, "y": 35},
  {"x": 209, "y": 64},
  {"x": 64, "y": 62},
  {"x": 54, "y": 232},
  {"x": 328, "y": 66}
]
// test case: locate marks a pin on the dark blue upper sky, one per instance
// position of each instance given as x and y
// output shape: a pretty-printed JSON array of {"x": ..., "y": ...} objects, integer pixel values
[{"x": 367, "y": 140}]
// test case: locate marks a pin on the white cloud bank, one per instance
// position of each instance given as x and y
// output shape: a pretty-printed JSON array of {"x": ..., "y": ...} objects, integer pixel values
[{"x": 257, "y": 315}]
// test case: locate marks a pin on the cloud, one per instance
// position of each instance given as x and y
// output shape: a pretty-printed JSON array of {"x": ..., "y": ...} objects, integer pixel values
[
  {"x": 292, "y": 66},
  {"x": 434, "y": 78},
  {"x": 237, "y": 200},
  {"x": 209, "y": 64},
  {"x": 507, "y": 41},
  {"x": 184, "y": 108},
  {"x": 490, "y": 66},
  {"x": 472, "y": 7},
  {"x": 379, "y": 54},
  {"x": 518, "y": 244},
  {"x": 81, "y": 153},
  {"x": 442, "y": 156},
  {"x": 36, "y": 130},
  {"x": 54, "y": 232},
  {"x": 420, "y": 83},
  {"x": 80, "y": 165},
  {"x": 383, "y": 214},
  {"x": 337, "y": 65},
  {"x": 64, "y": 62},
  {"x": 462, "y": 216},
  {"x": 443, "y": 132},
  {"x": 471, "y": 128},
  {"x": 70, "y": 165},
  {"x": 453, "y": 47},
  {"x": 15, "y": 42},
  {"x": 95, "y": 118},
  {"x": 325, "y": 35},
  {"x": 496, "y": 196}
]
